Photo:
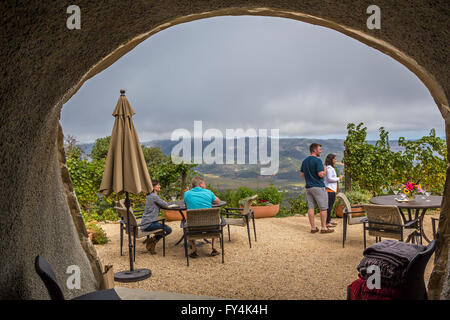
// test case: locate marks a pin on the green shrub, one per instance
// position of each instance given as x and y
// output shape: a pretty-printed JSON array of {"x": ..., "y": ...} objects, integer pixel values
[
  {"x": 359, "y": 196},
  {"x": 356, "y": 196},
  {"x": 298, "y": 205},
  {"x": 225, "y": 195},
  {"x": 98, "y": 214},
  {"x": 239, "y": 194},
  {"x": 284, "y": 212},
  {"x": 93, "y": 216},
  {"x": 98, "y": 235},
  {"x": 109, "y": 214},
  {"x": 271, "y": 194}
]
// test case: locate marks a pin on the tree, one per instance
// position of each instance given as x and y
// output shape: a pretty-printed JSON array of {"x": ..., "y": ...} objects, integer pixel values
[
  {"x": 426, "y": 162},
  {"x": 100, "y": 148},
  {"x": 356, "y": 149},
  {"x": 86, "y": 177},
  {"x": 377, "y": 167},
  {"x": 70, "y": 142}
]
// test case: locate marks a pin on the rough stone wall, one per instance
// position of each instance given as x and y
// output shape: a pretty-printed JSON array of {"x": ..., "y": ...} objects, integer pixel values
[
  {"x": 43, "y": 63},
  {"x": 439, "y": 284},
  {"x": 75, "y": 212},
  {"x": 40, "y": 223}
]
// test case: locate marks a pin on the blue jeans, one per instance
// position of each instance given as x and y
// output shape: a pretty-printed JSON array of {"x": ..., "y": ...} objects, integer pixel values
[{"x": 157, "y": 225}]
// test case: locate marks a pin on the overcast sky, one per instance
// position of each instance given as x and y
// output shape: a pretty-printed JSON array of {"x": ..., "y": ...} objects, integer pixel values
[{"x": 254, "y": 72}]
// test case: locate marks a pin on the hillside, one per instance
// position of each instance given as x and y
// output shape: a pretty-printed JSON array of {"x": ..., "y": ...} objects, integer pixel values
[{"x": 291, "y": 152}]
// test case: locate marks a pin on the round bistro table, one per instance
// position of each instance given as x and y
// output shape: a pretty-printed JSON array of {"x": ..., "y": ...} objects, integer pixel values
[{"x": 417, "y": 207}]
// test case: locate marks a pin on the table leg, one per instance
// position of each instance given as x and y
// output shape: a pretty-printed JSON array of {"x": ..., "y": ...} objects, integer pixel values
[
  {"x": 422, "y": 232},
  {"x": 182, "y": 220},
  {"x": 409, "y": 215},
  {"x": 403, "y": 215}
]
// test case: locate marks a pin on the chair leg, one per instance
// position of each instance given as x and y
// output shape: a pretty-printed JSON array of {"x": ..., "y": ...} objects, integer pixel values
[
  {"x": 254, "y": 229},
  {"x": 164, "y": 244},
  {"x": 248, "y": 232},
  {"x": 229, "y": 236},
  {"x": 433, "y": 224},
  {"x": 344, "y": 233},
  {"x": 364, "y": 229},
  {"x": 186, "y": 250},
  {"x": 420, "y": 231},
  {"x": 222, "y": 245}
]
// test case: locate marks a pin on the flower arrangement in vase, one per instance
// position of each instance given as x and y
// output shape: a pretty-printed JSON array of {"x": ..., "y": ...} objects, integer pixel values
[{"x": 411, "y": 189}]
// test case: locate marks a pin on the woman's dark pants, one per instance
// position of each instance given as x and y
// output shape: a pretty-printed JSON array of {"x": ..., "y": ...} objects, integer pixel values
[{"x": 331, "y": 200}]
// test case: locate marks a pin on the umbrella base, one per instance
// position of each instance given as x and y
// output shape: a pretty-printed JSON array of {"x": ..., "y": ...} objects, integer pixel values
[{"x": 132, "y": 276}]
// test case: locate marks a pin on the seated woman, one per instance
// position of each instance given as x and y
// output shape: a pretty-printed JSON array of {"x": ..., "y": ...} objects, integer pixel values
[{"x": 149, "y": 221}]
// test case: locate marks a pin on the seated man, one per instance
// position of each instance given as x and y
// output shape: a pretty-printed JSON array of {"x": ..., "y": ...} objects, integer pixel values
[
  {"x": 200, "y": 198},
  {"x": 149, "y": 219}
]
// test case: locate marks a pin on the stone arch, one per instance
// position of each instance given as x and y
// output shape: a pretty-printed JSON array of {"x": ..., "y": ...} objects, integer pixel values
[
  {"x": 387, "y": 48},
  {"x": 45, "y": 64}
]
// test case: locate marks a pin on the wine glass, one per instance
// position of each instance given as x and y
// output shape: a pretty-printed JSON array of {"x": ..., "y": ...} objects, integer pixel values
[
  {"x": 395, "y": 188},
  {"x": 427, "y": 194}
]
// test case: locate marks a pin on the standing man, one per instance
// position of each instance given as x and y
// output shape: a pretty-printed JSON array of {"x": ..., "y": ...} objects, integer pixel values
[
  {"x": 313, "y": 171},
  {"x": 200, "y": 198}
]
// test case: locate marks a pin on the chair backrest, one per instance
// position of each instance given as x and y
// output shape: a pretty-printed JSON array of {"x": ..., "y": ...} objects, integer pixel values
[
  {"x": 384, "y": 220},
  {"x": 344, "y": 199},
  {"x": 45, "y": 272},
  {"x": 248, "y": 203},
  {"x": 122, "y": 210},
  {"x": 198, "y": 219},
  {"x": 415, "y": 285}
]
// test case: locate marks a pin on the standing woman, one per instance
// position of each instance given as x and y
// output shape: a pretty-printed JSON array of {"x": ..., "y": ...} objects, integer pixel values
[{"x": 331, "y": 181}]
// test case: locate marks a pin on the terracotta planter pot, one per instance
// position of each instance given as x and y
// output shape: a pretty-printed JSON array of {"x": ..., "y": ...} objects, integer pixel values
[
  {"x": 340, "y": 211},
  {"x": 265, "y": 211},
  {"x": 173, "y": 215}
]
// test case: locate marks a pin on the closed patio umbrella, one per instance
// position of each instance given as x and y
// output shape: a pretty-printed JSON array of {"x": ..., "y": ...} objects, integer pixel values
[{"x": 126, "y": 171}]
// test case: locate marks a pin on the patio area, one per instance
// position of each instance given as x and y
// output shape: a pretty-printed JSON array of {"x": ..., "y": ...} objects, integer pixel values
[{"x": 287, "y": 262}]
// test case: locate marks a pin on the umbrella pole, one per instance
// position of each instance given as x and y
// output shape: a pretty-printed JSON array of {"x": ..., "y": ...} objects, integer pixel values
[
  {"x": 130, "y": 246},
  {"x": 131, "y": 275}
]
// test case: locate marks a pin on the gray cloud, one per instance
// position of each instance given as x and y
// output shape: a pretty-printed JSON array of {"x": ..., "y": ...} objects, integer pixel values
[{"x": 254, "y": 72}]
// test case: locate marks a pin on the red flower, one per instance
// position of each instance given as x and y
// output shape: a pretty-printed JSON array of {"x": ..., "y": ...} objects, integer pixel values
[{"x": 410, "y": 186}]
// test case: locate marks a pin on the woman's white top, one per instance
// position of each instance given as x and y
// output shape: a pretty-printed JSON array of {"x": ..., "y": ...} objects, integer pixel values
[{"x": 331, "y": 179}]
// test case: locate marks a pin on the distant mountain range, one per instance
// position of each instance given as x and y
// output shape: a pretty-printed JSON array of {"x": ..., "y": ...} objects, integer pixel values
[{"x": 292, "y": 151}]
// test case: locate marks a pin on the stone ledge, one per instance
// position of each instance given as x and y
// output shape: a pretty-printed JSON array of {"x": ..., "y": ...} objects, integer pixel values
[{"x": 139, "y": 294}]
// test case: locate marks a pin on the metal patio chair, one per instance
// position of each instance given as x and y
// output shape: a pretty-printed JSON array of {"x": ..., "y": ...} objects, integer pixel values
[
  {"x": 242, "y": 219},
  {"x": 45, "y": 272},
  {"x": 136, "y": 231},
  {"x": 348, "y": 215},
  {"x": 200, "y": 224},
  {"x": 387, "y": 222}
]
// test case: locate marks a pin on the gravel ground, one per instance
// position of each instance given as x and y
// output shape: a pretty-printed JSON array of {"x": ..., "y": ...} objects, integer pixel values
[{"x": 287, "y": 262}]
